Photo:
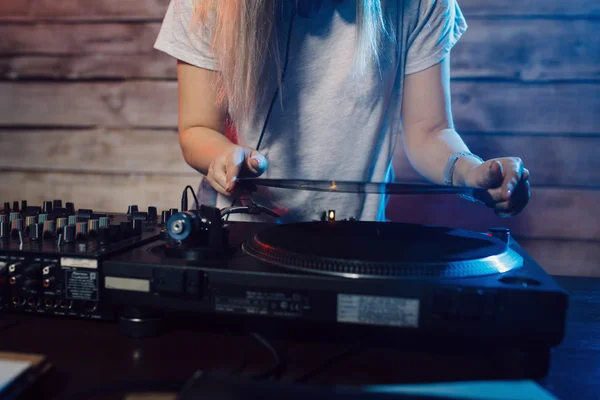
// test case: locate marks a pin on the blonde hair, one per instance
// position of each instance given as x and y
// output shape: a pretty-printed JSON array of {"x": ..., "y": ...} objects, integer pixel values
[{"x": 244, "y": 36}]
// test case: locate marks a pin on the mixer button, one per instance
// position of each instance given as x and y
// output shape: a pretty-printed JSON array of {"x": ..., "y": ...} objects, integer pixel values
[
  {"x": 165, "y": 216},
  {"x": 15, "y": 206},
  {"x": 81, "y": 230},
  {"x": 23, "y": 205},
  {"x": 3, "y": 218},
  {"x": 57, "y": 204},
  {"x": 70, "y": 208},
  {"x": 72, "y": 219},
  {"x": 29, "y": 221},
  {"x": 49, "y": 228},
  {"x": 93, "y": 225},
  {"x": 42, "y": 218},
  {"x": 104, "y": 222},
  {"x": 104, "y": 235},
  {"x": 14, "y": 215},
  {"x": 17, "y": 226},
  {"x": 6, "y": 208}
]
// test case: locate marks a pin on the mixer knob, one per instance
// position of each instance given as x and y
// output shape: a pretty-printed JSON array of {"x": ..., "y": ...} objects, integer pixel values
[
  {"x": 93, "y": 225},
  {"x": 104, "y": 222},
  {"x": 3, "y": 218},
  {"x": 17, "y": 226},
  {"x": 70, "y": 208},
  {"x": 72, "y": 219},
  {"x": 42, "y": 218},
  {"x": 173, "y": 211},
  {"x": 6, "y": 208},
  {"x": 49, "y": 229},
  {"x": 23, "y": 205},
  {"x": 14, "y": 215},
  {"x": 4, "y": 230},
  {"x": 15, "y": 207},
  {"x": 81, "y": 230},
  {"x": 104, "y": 235},
  {"x": 36, "y": 232},
  {"x": 152, "y": 214},
  {"x": 29, "y": 221},
  {"x": 132, "y": 209},
  {"x": 137, "y": 226},
  {"x": 69, "y": 233},
  {"x": 165, "y": 216},
  {"x": 47, "y": 207},
  {"x": 57, "y": 204}
]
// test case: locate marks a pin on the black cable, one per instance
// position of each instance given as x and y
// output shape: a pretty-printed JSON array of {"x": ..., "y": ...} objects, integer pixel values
[
  {"x": 184, "y": 199},
  {"x": 279, "y": 362},
  {"x": 283, "y": 72},
  {"x": 328, "y": 363}
]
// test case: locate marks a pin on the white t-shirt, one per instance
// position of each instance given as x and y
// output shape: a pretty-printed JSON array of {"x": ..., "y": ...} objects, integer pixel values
[{"x": 328, "y": 126}]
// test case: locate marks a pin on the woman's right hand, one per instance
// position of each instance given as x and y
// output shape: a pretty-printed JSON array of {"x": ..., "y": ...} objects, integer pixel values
[{"x": 234, "y": 162}]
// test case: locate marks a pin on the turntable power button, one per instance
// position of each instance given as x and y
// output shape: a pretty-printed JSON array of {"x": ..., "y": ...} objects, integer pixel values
[{"x": 500, "y": 233}]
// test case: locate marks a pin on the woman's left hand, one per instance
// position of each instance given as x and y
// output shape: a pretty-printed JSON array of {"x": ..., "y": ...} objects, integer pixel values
[{"x": 507, "y": 184}]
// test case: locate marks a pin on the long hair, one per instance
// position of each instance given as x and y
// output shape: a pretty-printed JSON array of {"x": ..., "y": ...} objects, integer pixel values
[{"x": 244, "y": 36}]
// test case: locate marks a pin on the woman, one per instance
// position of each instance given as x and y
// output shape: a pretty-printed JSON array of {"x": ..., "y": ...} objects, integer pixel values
[{"x": 320, "y": 89}]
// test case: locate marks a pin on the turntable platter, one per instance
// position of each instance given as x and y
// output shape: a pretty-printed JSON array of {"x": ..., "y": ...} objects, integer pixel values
[{"x": 373, "y": 250}]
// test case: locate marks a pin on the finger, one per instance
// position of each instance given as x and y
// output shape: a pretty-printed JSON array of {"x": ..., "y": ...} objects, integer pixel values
[
  {"x": 218, "y": 178},
  {"x": 517, "y": 203},
  {"x": 489, "y": 175},
  {"x": 256, "y": 163},
  {"x": 525, "y": 175},
  {"x": 512, "y": 177},
  {"x": 233, "y": 166}
]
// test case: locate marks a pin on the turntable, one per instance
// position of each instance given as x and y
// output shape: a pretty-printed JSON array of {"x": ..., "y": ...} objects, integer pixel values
[{"x": 402, "y": 281}]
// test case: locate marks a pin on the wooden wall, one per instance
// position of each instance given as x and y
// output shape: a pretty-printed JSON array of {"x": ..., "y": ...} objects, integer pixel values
[{"x": 88, "y": 112}]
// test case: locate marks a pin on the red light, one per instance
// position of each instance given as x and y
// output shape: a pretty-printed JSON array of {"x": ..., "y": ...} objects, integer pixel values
[{"x": 489, "y": 234}]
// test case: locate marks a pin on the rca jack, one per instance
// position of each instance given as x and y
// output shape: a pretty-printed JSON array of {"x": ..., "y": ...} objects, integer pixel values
[
  {"x": 49, "y": 303},
  {"x": 65, "y": 304},
  {"x": 18, "y": 301},
  {"x": 33, "y": 302}
]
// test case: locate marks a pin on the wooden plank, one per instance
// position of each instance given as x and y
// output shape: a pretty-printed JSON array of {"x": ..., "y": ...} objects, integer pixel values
[
  {"x": 478, "y": 107},
  {"x": 552, "y": 160},
  {"x": 94, "y": 150},
  {"x": 553, "y": 8},
  {"x": 509, "y": 49},
  {"x": 565, "y": 257},
  {"x": 528, "y": 50},
  {"x": 51, "y": 38},
  {"x": 153, "y": 65},
  {"x": 96, "y": 191},
  {"x": 157, "y": 151},
  {"x": 143, "y": 104},
  {"x": 551, "y": 213},
  {"x": 28, "y": 10}
]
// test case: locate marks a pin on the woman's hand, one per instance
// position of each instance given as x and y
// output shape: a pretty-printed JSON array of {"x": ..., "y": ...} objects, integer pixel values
[
  {"x": 506, "y": 181},
  {"x": 233, "y": 162}
]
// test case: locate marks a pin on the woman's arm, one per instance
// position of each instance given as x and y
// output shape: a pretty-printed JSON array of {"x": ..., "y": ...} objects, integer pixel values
[
  {"x": 430, "y": 139},
  {"x": 202, "y": 137},
  {"x": 201, "y": 120}
]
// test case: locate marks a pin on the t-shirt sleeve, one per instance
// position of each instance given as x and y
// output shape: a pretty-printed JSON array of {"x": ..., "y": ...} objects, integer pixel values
[
  {"x": 439, "y": 26},
  {"x": 181, "y": 37}
]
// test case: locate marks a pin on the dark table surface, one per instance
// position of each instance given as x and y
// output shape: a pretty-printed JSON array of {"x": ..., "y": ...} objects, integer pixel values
[{"x": 86, "y": 354}]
